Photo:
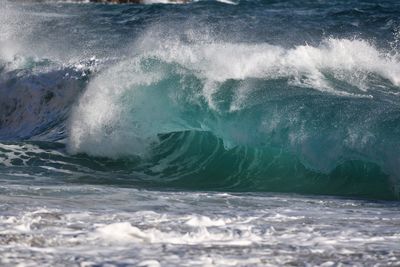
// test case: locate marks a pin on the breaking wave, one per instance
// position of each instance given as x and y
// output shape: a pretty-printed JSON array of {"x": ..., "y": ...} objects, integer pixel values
[{"x": 306, "y": 111}]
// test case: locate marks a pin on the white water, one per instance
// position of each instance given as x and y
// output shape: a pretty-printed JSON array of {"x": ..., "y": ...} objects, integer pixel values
[{"x": 141, "y": 228}]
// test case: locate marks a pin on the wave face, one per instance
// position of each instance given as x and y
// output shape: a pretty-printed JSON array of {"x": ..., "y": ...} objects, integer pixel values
[{"x": 227, "y": 105}]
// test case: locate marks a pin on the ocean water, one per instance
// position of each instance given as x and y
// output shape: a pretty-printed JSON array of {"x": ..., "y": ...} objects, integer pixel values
[{"x": 210, "y": 133}]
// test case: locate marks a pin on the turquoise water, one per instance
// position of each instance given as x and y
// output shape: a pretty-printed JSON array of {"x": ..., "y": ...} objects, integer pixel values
[{"x": 219, "y": 133}]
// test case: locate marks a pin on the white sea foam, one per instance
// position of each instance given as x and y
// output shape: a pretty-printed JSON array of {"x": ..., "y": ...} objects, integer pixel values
[
  {"x": 345, "y": 59},
  {"x": 162, "y": 2},
  {"x": 204, "y": 229},
  {"x": 21, "y": 153}
]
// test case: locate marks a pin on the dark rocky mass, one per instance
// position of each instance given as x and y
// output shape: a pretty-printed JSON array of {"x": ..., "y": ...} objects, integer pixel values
[
  {"x": 133, "y": 1},
  {"x": 117, "y": 1}
]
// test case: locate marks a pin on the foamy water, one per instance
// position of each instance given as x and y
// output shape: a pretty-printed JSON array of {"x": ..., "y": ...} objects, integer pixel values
[{"x": 151, "y": 228}]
